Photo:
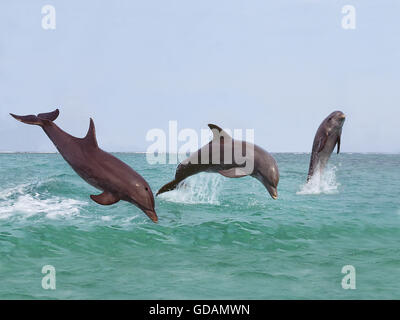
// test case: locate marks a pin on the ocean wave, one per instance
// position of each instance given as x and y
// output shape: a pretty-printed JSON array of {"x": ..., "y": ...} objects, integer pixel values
[
  {"x": 28, "y": 205},
  {"x": 20, "y": 189},
  {"x": 321, "y": 183},
  {"x": 23, "y": 200},
  {"x": 24, "y": 188}
]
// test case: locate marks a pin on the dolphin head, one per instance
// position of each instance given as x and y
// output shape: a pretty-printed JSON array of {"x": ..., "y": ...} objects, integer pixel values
[
  {"x": 268, "y": 175},
  {"x": 271, "y": 183},
  {"x": 142, "y": 197},
  {"x": 336, "y": 120}
]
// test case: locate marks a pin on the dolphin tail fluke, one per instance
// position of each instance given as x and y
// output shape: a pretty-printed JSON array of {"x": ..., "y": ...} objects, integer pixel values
[
  {"x": 49, "y": 115},
  {"x": 168, "y": 187},
  {"x": 40, "y": 119}
]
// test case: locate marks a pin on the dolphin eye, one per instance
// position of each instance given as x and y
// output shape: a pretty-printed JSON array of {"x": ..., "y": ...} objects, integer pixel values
[{"x": 147, "y": 189}]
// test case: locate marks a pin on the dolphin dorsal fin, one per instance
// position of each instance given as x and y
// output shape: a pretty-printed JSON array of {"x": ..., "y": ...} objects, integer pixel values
[
  {"x": 91, "y": 135},
  {"x": 218, "y": 132}
]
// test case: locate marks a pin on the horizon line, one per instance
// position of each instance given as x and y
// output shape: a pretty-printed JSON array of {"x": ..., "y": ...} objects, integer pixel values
[{"x": 167, "y": 153}]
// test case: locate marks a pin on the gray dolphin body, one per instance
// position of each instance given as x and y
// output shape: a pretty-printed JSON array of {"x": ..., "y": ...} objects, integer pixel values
[
  {"x": 255, "y": 162},
  {"x": 326, "y": 138},
  {"x": 117, "y": 180}
]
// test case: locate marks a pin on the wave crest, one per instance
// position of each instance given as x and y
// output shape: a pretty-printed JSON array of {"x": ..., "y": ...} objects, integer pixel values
[{"x": 22, "y": 200}]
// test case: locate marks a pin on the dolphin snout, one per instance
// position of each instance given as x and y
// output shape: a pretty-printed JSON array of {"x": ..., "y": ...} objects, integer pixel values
[
  {"x": 152, "y": 215},
  {"x": 273, "y": 191}
]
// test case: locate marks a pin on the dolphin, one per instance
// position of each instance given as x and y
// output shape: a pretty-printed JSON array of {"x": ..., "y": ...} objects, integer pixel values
[
  {"x": 224, "y": 155},
  {"x": 117, "y": 180},
  {"x": 326, "y": 138}
]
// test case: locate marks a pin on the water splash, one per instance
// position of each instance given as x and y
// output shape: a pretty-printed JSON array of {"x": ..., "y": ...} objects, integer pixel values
[
  {"x": 321, "y": 183},
  {"x": 23, "y": 189},
  {"x": 22, "y": 201},
  {"x": 201, "y": 188},
  {"x": 18, "y": 190}
]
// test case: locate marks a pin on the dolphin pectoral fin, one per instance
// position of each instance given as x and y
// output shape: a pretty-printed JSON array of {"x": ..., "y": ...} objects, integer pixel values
[
  {"x": 322, "y": 142},
  {"x": 233, "y": 173},
  {"x": 105, "y": 199},
  {"x": 338, "y": 144},
  {"x": 168, "y": 187}
]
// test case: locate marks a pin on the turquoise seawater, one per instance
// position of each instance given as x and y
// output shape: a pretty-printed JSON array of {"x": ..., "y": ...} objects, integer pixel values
[{"x": 216, "y": 237}]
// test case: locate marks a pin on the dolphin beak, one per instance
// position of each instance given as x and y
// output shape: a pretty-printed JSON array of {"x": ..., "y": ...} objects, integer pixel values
[
  {"x": 273, "y": 192},
  {"x": 152, "y": 215}
]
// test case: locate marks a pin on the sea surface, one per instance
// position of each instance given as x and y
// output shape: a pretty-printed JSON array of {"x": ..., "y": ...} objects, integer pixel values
[{"x": 217, "y": 238}]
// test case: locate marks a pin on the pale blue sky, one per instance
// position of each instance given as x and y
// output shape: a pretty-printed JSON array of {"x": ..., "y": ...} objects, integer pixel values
[{"x": 278, "y": 67}]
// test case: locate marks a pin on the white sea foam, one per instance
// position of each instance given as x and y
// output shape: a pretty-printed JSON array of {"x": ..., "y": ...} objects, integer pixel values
[
  {"x": 28, "y": 205},
  {"x": 20, "y": 189},
  {"x": 20, "y": 201},
  {"x": 201, "y": 188},
  {"x": 325, "y": 183}
]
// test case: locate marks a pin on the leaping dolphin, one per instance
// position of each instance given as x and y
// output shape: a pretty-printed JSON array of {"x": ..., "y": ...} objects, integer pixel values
[
  {"x": 117, "y": 180},
  {"x": 326, "y": 138},
  {"x": 225, "y": 149}
]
